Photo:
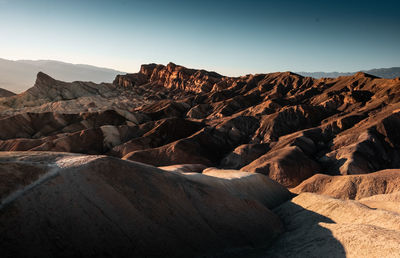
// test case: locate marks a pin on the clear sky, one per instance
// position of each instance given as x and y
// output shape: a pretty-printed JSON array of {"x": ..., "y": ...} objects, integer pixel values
[{"x": 230, "y": 37}]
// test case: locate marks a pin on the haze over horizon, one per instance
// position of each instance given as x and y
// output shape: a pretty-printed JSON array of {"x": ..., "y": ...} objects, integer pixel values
[{"x": 230, "y": 37}]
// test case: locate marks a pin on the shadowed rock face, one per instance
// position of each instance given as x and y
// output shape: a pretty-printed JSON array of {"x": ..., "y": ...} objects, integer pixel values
[
  {"x": 99, "y": 206},
  {"x": 282, "y": 125},
  {"x": 6, "y": 93}
]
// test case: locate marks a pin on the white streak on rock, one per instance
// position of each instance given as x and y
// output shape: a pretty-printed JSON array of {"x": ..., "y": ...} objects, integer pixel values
[{"x": 18, "y": 193}]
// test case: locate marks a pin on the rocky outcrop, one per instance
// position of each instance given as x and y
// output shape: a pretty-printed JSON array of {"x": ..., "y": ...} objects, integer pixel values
[
  {"x": 51, "y": 95},
  {"x": 49, "y": 89},
  {"x": 283, "y": 125},
  {"x": 5, "y": 93},
  {"x": 172, "y": 76}
]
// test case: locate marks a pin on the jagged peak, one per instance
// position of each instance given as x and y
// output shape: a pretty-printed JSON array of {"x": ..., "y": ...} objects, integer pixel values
[
  {"x": 42, "y": 75},
  {"x": 283, "y": 75},
  {"x": 148, "y": 69},
  {"x": 364, "y": 75},
  {"x": 172, "y": 65},
  {"x": 293, "y": 74},
  {"x": 43, "y": 78},
  {"x": 148, "y": 66},
  {"x": 6, "y": 93}
]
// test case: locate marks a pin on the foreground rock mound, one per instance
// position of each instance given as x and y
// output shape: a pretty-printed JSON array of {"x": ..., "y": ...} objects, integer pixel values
[{"x": 77, "y": 205}]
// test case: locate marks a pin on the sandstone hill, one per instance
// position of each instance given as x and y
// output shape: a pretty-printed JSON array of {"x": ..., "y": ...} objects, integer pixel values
[
  {"x": 353, "y": 187},
  {"x": 283, "y": 125}
]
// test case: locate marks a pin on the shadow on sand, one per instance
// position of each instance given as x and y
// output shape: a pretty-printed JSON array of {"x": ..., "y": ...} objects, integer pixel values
[{"x": 304, "y": 236}]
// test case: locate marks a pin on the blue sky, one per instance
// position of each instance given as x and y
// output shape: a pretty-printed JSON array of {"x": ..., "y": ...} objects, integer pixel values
[{"x": 230, "y": 37}]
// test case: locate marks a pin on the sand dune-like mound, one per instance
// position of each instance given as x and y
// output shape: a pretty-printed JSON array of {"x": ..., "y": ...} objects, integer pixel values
[
  {"x": 352, "y": 186},
  {"x": 78, "y": 205},
  {"x": 321, "y": 226},
  {"x": 390, "y": 202},
  {"x": 248, "y": 185},
  {"x": 185, "y": 168}
]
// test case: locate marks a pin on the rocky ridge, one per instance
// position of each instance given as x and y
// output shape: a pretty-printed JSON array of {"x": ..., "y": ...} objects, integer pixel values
[
  {"x": 6, "y": 93},
  {"x": 283, "y": 125}
]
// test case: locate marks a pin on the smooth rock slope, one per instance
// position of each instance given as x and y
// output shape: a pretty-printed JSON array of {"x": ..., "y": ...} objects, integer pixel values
[
  {"x": 76, "y": 205},
  {"x": 353, "y": 186},
  {"x": 321, "y": 226}
]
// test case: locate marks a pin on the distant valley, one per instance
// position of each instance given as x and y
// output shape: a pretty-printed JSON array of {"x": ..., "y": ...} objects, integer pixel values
[{"x": 18, "y": 76}]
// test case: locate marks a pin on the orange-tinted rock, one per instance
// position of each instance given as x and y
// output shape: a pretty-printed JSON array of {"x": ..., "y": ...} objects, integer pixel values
[
  {"x": 352, "y": 186},
  {"x": 171, "y": 76},
  {"x": 345, "y": 125}
]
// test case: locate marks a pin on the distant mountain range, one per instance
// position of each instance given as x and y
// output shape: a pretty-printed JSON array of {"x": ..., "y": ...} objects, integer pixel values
[
  {"x": 18, "y": 76},
  {"x": 388, "y": 73}
]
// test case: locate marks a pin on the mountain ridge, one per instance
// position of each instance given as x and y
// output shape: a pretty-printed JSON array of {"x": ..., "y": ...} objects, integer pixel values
[
  {"x": 387, "y": 73},
  {"x": 19, "y": 75},
  {"x": 288, "y": 114}
]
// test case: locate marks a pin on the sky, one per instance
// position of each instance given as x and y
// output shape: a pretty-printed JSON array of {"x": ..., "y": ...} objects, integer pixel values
[{"x": 230, "y": 37}]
